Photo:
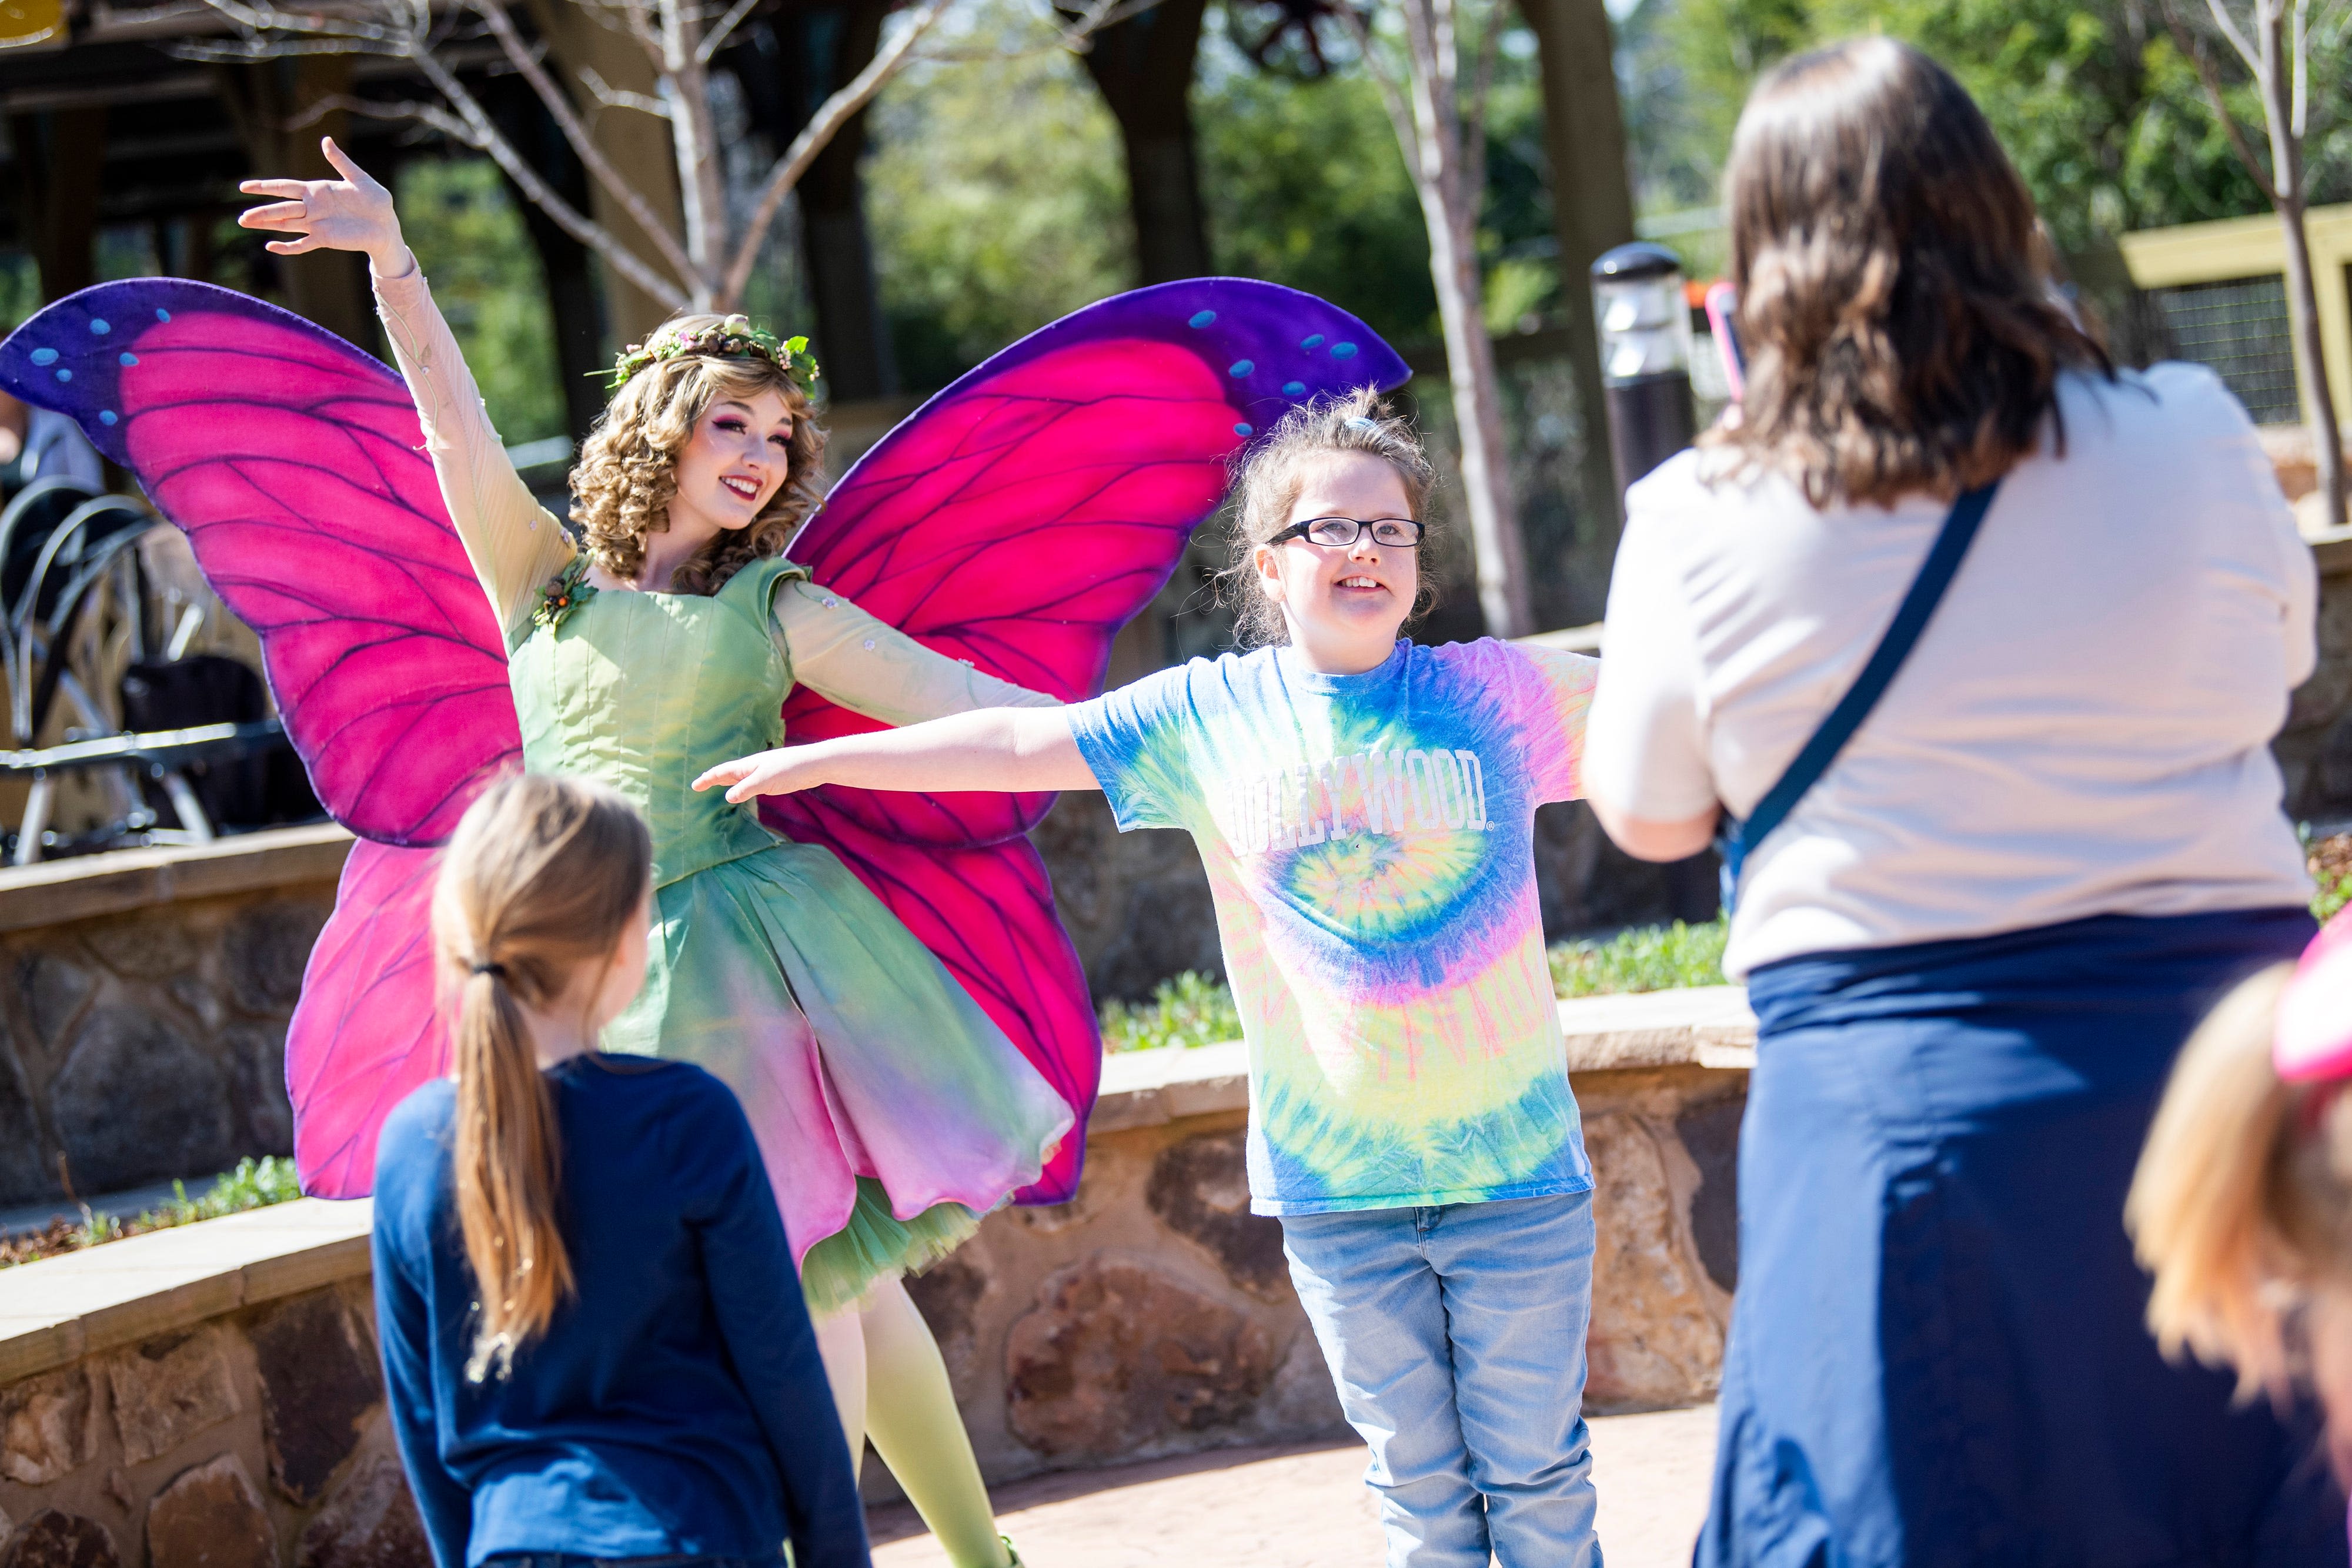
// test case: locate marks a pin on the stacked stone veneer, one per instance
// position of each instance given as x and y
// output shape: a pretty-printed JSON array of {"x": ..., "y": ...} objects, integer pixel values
[
  {"x": 252, "y": 1440},
  {"x": 1153, "y": 1315},
  {"x": 149, "y": 1042}
]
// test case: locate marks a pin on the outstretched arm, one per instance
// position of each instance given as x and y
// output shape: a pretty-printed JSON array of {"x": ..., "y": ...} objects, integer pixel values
[
  {"x": 514, "y": 544},
  {"x": 1003, "y": 750}
]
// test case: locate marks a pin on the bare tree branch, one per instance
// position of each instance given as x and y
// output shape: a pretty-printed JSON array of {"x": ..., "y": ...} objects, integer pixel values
[
  {"x": 592, "y": 157},
  {"x": 831, "y": 115},
  {"x": 2238, "y": 41},
  {"x": 1391, "y": 94},
  {"x": 706, "y": 51},
  {"x": 610, "y": 97},
  {"x": 1075, "y": 38},
  {"x": 2301, "y": 108},
  {"x": 2210, "y": 78},
  {"x": 483, "y": 134},
  {"x": 1481, "y": 89}
]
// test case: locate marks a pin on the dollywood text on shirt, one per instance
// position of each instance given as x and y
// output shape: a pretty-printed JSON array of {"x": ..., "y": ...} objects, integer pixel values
[{"x": 1389, "y": 792}]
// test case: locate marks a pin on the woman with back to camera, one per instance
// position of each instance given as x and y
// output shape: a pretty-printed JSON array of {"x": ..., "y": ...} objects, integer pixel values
[{"x": 1976, "y": 941}]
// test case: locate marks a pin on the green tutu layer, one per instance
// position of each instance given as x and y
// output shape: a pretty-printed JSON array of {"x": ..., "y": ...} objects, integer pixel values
[{"x": 876, "y": 1244}]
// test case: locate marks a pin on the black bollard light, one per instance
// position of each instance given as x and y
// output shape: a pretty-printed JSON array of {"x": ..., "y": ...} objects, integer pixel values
[
  {"x": 1644, "y": 324},
  {"x": 1645, "y": 347}
]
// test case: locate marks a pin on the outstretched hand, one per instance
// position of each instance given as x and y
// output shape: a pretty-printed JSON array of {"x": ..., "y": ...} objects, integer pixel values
[
  {"x": 784, "y": 771},
  {"x": 353, "y": 213}
]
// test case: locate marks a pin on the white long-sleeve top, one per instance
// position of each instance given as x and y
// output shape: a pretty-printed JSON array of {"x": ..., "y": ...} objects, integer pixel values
[{"x": 2083, "y": 728}]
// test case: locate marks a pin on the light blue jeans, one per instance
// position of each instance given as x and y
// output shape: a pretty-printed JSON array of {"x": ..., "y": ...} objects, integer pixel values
[{"x": 1455, "y": 1335}]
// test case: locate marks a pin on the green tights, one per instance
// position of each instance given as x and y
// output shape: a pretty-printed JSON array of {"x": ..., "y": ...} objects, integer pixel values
[{"x": 891, "y": 1385}]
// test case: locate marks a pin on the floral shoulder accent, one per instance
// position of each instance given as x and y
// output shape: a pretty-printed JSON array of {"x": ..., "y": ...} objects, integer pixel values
[{"x": 566, "y": 591}]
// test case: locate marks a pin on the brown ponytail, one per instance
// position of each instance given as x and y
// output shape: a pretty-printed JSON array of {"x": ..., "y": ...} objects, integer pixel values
[{"x": 539, "y": 883}]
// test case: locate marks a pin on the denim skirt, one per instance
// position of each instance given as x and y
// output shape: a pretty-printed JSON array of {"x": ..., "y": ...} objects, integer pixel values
[{"x": 1937, "y": 1353}]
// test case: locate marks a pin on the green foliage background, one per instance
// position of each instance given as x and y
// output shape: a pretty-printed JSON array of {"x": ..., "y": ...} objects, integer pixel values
[{"x": 2095, "y": 101}]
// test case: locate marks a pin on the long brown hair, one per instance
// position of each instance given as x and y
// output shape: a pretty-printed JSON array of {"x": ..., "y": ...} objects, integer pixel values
[
  {"x": 1272, "y": 474},
  {"x": 539, "y": 882},
  {"x": 628, "y": 472},
  {"x": 1902, "y": 330}
]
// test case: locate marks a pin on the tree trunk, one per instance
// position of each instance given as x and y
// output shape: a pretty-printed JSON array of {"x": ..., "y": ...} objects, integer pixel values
[
  {"x": 1450, "y": 210},
  {"x": 1142, "y": 66},
  {"x": 635, "y": 144},
  {"x": 59, "y": 154},
  {"x": 853, "y": 342},
  {"x": 2311, "y": 364},
  {"x": 1593, "y": 206},
  {"x": 2280, "y": 57}
]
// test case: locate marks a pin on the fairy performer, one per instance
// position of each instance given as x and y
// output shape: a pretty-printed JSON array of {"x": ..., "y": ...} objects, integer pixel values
[
  {"x": 868, "y": 973},
  {"x": 890, "y": 1109}
]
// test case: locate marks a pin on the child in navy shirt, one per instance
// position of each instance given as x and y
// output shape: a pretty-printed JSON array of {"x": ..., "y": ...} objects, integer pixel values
[{"x": 593, "y": 1335}]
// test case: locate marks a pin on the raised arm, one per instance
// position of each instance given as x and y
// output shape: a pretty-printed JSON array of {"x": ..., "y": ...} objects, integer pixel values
[
  {"x": 869, "y": 666},
  {"x": 1005, "y": 750},
  {"x": 515, "y": 545}
]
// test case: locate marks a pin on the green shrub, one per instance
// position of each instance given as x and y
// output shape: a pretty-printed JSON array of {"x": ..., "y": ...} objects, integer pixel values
[
  {"x": 1643, "y": 959},
  {"x": 1191, "y": 1010}
]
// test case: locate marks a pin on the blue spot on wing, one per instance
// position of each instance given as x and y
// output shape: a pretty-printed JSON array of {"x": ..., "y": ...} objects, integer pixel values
[
  {"x": 1343, "y": 350},
  {"x": 1294, "y": 389},
  {"x": 1242, "y": 430},
  {"x": 97, "y": 327},
  {"x": 44, "y": 356},
  {"x": 128, "y": 360},
  {"x": 64, "y": 375},
  {"x": 1316, "y": 341},
  {"x": 106, "y": 416},
  {"x": 161, "y": 314},
  {"x": 1202, "y": 317},
  {"x": 1241, "y": 368}
]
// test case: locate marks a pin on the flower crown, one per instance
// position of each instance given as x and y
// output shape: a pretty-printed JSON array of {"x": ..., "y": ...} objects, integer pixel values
[{"x": 735, "y": 338}]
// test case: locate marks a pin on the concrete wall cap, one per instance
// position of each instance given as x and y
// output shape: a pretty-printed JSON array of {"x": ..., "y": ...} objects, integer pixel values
[{"x": 58, "y": 1310}]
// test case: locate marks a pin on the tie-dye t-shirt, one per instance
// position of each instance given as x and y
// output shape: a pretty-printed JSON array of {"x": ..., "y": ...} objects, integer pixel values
[{"x": 1370, "y": 843}]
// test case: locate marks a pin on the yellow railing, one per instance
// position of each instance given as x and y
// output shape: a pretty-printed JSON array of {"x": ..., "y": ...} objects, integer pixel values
[{"x": 2236, "y": 248}]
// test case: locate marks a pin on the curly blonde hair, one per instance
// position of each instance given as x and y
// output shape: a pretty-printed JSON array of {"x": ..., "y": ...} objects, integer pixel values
[
  {"x": 1272, "y": 474},
  {"x": 627, "y": 471}
]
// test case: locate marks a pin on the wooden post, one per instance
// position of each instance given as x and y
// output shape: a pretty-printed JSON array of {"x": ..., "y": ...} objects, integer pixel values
[
  {"x": 59, "y": 156},
  {"x": 1592, "y": 203},
  {"x": 265, "y": 101}
]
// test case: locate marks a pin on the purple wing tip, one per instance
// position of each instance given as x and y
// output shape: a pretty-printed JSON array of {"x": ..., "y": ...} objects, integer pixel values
[
  {"x": 70, "y": 356},
  {"x": 1277, "y": 347}
]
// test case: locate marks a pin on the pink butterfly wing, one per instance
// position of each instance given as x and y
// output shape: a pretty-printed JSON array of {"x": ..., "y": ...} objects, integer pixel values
[
  {"x": 367, "y": 1029},
  {"x": 292, "y": 462},
  {"x": 1018, "y": 521}
]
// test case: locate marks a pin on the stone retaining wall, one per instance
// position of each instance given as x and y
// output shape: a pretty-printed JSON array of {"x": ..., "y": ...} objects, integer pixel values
[
  {"x": 144, "y": 1003},
  {"x": 208, "y": 1397}
]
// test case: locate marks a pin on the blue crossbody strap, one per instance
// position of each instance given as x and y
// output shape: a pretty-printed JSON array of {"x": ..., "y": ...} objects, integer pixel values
[{"x": 1735, "y": 838}]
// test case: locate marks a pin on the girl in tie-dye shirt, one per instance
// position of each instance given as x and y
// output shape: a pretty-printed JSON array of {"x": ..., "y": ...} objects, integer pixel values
[{"x": 1365, "y": 809}]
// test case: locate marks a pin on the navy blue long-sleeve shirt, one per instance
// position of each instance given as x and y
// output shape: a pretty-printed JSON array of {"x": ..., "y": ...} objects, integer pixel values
[{"x": 676, "y": 1404}]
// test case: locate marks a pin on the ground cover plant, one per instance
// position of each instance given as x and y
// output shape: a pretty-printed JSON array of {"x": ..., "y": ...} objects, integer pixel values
[
  {"x": 1195, "y": 1010},
  {"x": 255, "y": 1184}
]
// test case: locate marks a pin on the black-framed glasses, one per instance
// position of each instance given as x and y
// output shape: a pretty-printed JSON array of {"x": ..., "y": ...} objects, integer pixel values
[{"x": 1339, "y": 533}]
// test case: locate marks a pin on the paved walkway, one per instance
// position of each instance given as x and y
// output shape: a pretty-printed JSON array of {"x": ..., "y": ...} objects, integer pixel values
[{"x": 1305, "y": 1507}]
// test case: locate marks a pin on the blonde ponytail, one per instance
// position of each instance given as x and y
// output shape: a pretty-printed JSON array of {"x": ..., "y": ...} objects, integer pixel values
[{"x": 539, "y": 883}]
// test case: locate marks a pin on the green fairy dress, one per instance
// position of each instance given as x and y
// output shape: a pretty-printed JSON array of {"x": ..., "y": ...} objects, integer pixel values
[{"x": 891, "y": 1108}]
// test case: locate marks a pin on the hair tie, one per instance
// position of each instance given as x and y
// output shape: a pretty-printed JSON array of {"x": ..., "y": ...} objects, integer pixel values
[{"x": 498, "y": 969}]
